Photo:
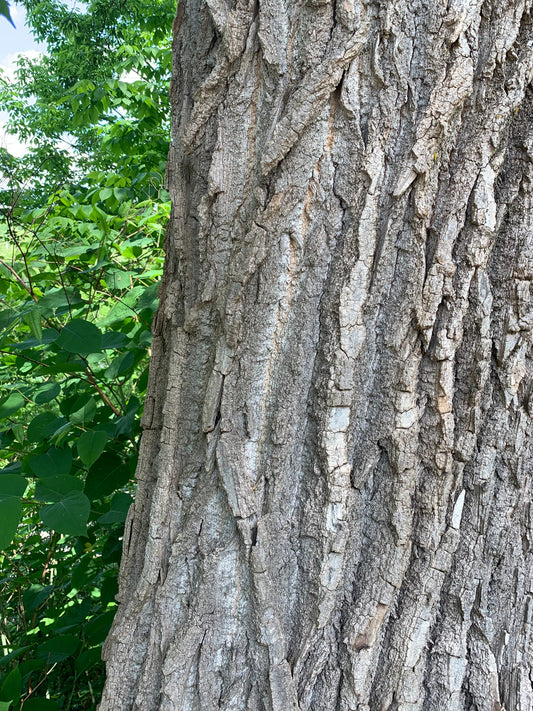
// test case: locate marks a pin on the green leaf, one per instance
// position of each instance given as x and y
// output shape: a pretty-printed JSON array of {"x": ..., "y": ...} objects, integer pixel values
[
  {"x": 112, "y": 549},
  {"x": 5, "y": 705},
  {"x": 119, "y": 279},
  {"x": 72, "y": 366},
  {"x": 12, "y": 485},
  {"x": 80, "y": 336},
  {"x": 57, "y": 649},
  {"x": 77, "y": 250},
  {"x": 55, "y": 462},
  {"x": 119, "y": 312},
  {"x": 124, "y": 425},
  {"x": 47, "y": 392},
  {"x": 59, "y": 300},
  {"x": 7, "y": 317},
  {"x": 35, "y": 595},
  {"x": 73, "y": 616},
  {"x": 10, "y": 405},
  {"x": 149, "y": 297},
  {"x": 6, "y": 438},
  {"x": 90, "y": 446},
  {"x": 12, "y": 686},
  {"x": 43, "y": 426},
  {"x": 10, "y": 514},
  {"x": 107, "y": 475},
  {"x": 121, "y": 364},
  {"x": 83, "y": 410},
  {"x": 13, "y": 468},
  {"x": 33, "y": 320},
  {"x": 13, "y": 655},
  {"x": 79, "y": 572},
  {"x": 49, "y": 335},
  {"x": 18, "y": 432},
  {"x": 56, "y": 488},
  {"x": 118, "y": 509},
  {"x": 69, "y": 515},
  {"x": 114, "y": 339},
  {"x": 121, "y": 194},
  {"x": 4, "y": 10},
  {"x": 88, "y": 659},
  {"x": 96, "y": 630},
  {"x": 40, "y": 704},
  {"x": 109, "y": 590}
]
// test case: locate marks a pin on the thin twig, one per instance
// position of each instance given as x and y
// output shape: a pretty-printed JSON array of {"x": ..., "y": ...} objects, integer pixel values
[
  {"x": 19, "y": 279},
  {"x": 102, "y": 394}
]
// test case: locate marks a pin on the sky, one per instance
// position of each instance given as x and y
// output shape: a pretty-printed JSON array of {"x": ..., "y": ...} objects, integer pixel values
[
  {"x": 18, "y": 40},
  {"x": 13, "y": 41}
]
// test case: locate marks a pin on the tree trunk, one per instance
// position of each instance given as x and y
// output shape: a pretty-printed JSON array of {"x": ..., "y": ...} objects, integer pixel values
[{"x": 334, "y": 497}]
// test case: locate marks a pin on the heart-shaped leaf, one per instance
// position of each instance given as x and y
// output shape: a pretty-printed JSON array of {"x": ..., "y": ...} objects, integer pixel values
[
  {"x": 55, "y": 488},
  {"x": 80, "y": 336},
  {"x": 55, "y": 462},
  {"x": 90, "y": 446},
  {"x": 69, "y": 515},
  {"x": 106, "y": 476}
]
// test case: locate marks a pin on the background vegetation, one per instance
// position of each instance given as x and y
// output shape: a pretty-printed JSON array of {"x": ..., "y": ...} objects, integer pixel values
[{"x": 83, "y": 215}]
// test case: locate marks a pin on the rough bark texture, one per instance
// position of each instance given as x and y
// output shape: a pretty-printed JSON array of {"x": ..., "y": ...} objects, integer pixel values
[{"x": 334, "y": 506}]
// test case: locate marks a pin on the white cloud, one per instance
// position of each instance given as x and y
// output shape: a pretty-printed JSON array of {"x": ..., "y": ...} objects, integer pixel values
[
  {"x": 130, "y": 76},
  {"x": 17, "y": 14},
  {"x": 14, "y": 146}
]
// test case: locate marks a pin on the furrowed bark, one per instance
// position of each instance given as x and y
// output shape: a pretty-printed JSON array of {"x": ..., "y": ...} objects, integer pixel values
[{"x": 334, "y": 490}]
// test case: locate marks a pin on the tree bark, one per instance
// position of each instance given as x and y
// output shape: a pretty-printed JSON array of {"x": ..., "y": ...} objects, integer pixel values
[{"x": 334, "y": 490}]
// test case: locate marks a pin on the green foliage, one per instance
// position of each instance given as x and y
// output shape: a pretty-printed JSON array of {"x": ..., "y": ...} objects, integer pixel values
[
  {"x": 4, "y": 10},
  {"x": 80, "y": 257},
  {"x": 96, "y": 106}
]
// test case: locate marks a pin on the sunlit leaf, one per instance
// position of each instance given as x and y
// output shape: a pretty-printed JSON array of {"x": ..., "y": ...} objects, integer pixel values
[
  {"x": 10, "y": 404},
  {"x": 33, "y": 320}
]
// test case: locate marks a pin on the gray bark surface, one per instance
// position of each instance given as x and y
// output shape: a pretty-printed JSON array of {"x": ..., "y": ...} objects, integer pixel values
[{"x": 334, "y": 487}]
